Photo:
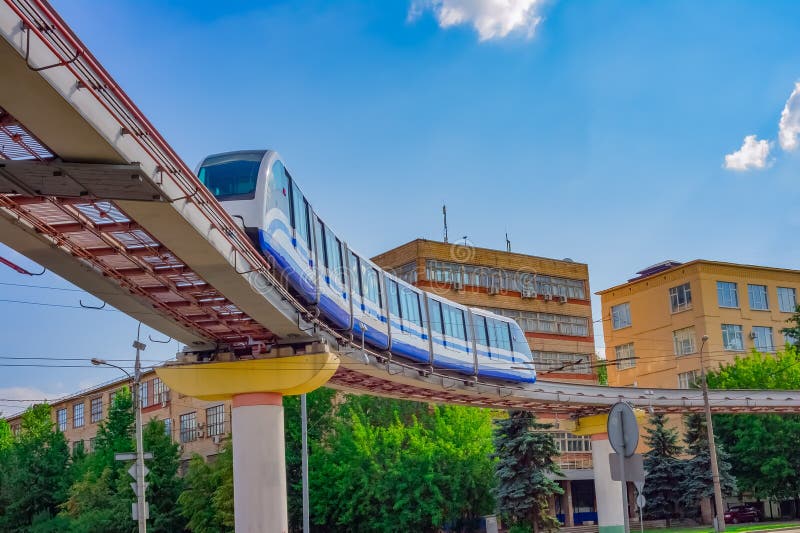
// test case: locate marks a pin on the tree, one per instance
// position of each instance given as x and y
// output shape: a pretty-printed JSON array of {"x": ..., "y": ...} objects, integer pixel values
[
  {"x": 406, "y": 466},
  {"x": 525, "y": 470},
  {"x": 207, "y": 501},
  {"x": 775, "y": 475},
  {"x": 697, "y": 482},
  {"x": 101, "y": 499},
  {"x": 664, "y": 468},
  {"x": 793, "y": 331},
  {"x": 35, "y": 472},
  {"x": 320, "y": 420}
]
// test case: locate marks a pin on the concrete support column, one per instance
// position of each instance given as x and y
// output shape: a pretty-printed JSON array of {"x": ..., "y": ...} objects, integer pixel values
[
  {"x": 610, "y": 516},
  {"x": 259, "y": 463},
  {"x": 569, "y": 511}
]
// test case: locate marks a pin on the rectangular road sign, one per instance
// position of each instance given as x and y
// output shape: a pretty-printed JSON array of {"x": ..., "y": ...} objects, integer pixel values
[
  {"x": 130, "y": 456},
  {"x": 634, "y": 467},
  {"x": 135, "y": 511}
]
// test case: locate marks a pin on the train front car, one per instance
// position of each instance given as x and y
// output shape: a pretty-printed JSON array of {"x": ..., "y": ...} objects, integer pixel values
[{"x": 502, "y": 351}]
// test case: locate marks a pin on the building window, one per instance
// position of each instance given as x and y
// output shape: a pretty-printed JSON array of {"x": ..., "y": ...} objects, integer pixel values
[
  {"x": 97, "y": 409},
  {"x": 621, "y": 316},
  {"x": 567, "y": 442},
  {"x": 625, "y": 356},
  {"x": 61, "y": 418},
  {"x": 575, "y": 363},
  {"x": 168, "y": 428},
  {"x": 111, "y": 397},
  {"x": 407, "y": 272},
  {"x": 189, "y": 427},
  {"x": 727, "y": 295},
  {"x": 788, "y": 339},
  {"x": 732, "y": 337},
  {"x": 77, "y": 446},
  {"x": 92, "y": 444},
  {"x": 688, "y": 380},
  {"x": 758, "y": 297},
  {"x": 501, "y": 279},
  {"x": 680, "y": 298},
  {"x": 160, "y": 391},
  {"x": 762, "y": 339},
  {"x": 77, "y": 415},
  {"x": 215, "y": 420},
  {"x": 531, "y": 321},
  {"x": 787, "y": 299},
  {"x": 683, "y": 340},
  {"x": 143, "y": 396}
]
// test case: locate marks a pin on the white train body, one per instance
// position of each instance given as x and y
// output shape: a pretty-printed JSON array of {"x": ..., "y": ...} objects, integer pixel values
[{"x": 352, "y": 293}]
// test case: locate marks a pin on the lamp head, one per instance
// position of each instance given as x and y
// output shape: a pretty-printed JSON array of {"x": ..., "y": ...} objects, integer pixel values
[
  {"x": 705, "y": 338},
  {"x": 97, "y": 362}
]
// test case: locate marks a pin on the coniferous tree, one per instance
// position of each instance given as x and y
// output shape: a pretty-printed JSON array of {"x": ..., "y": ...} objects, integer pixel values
[
  {"x": 665, "y": 470},
  {"x": 697, "y": 482},
  {"x": 524, "y": 471}
]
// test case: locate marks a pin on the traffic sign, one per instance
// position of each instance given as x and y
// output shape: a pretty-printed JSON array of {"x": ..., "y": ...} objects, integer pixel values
[
  {"x": 135, "y": 511},
  {"x": 623, "y": 429},
  {"x": 640, "y": 501},
  {"x": 133, "y": 470},
  {"x": 634, "y": 468},
  {"x": 136, "y": 489},
  {"x": 130, "y": 456}
]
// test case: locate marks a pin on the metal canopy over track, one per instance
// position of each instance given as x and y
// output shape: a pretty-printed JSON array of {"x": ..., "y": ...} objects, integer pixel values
[{"x": 90, "y": 190}]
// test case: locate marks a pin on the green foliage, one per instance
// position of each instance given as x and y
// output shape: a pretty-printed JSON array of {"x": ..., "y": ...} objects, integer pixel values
[
  {"x": 165, "y": 485},
  {"x": 793, "y": 329},
  {"x": 207, "y": 501},
  {"x": 6, "y": 437},
  {"x": 320, "y": 420},
  {"x": 525, "y": 453},
  {"x": 602, "y": 373},
  {"x": 697, "y": 482},
  {"x": 35, "y": 472},
  {"x": 776, "y": 474},
  {"x": 665, "y": 471},
  {"x": 398, "y": 466}
]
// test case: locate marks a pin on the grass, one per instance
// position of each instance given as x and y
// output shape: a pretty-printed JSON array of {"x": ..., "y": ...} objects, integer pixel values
[{"x": 733, "y": 528}]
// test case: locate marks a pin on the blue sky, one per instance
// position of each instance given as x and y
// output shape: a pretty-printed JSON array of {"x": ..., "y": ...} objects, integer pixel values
[{"x": 598, "y": 133}]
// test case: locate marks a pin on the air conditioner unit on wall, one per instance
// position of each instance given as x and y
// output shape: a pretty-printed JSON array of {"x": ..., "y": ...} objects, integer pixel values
[
  {"x": 528, "y": 293},
  {"x": 752, "y": 334},
  {"x": 216, "y": 439},
  {"x": 562, "y": 299},
  {"x": 548, "y": 296},
  {"x": 457, "y": 285}
]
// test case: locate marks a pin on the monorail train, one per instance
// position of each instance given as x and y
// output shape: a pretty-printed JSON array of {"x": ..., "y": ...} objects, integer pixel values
[{"x": 351, "y": 293}]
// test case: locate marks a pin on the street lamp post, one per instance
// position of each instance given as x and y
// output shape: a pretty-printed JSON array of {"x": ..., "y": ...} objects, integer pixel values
[
  {"x": 141, "y": 504},
  {"x": 719, "y": 523}
]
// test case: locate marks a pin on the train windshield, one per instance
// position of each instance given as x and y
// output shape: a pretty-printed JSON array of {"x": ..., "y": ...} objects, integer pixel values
[{"x": 231, "y": 176}]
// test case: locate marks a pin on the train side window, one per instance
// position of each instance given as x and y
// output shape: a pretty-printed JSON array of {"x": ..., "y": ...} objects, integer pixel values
[
  {"x": 393, "y": 295},
  {"x": 319, "y": 233},
  {"x": 502, "y": 339},
  {"x": 340, "y": 260},
  {"x": 460, "y": 329},
  {"x": 355, "y": 272},
  {"x": 409, "y": 302},
  {"x": 300, "y": 215},
  {"x": 492, "y": 333},
  {"x": 453, "y": 322},
  {"x": 435, "y": 310},
  {"x": 480, "y": 329},
  {"x": 510, "y": 337},
  {"x": 372, "y": 286},
  {"x": 333, "y": 254}
]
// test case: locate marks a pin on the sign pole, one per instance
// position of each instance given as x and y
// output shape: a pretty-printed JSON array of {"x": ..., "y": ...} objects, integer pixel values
[{"x": 624, "y": 482}]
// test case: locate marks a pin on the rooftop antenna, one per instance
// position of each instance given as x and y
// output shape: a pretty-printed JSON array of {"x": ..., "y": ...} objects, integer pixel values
[
  {"x": 444, "y": 215},
  {"x": 508, "y": 243}
]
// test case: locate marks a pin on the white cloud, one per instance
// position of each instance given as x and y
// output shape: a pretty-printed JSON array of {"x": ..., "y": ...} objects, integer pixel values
[
  {"x": 29, "y": 394},
  {"x": 789, "y": 127},
  {"x": 492, "y": 19},
  {"x": 752, "y": 154}
]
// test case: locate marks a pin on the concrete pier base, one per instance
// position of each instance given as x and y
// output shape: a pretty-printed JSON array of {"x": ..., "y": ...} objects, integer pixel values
[
  {"x": 259, "y": 464},
  {"x": 609, "y": 493}
]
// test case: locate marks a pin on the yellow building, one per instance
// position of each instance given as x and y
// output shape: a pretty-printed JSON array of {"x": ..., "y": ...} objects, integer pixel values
[{"x": 654, "y": 324}]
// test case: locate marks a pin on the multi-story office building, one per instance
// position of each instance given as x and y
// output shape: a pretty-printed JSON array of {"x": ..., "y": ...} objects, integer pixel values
[
  {"x": 654, "y": 324},
  {"x": 549, "y": 298},
  {"x": 198, "y": 426}
]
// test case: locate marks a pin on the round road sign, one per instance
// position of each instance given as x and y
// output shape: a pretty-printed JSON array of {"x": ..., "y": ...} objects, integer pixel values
[{"x": 623, "y": 429}]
